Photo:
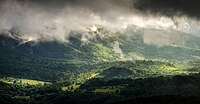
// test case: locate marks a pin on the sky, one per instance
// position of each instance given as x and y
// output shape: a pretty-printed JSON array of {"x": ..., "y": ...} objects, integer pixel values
[{"x": 56, "y": 18}]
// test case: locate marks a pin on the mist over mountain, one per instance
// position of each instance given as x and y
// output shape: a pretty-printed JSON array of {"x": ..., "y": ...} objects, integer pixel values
[
  {"x": 55, "y": 19},
  {"x": 99, "y": 51}
]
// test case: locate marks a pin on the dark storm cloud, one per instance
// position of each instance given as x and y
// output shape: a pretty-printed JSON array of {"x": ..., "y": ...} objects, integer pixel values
[{"x": 169, "y": 7}]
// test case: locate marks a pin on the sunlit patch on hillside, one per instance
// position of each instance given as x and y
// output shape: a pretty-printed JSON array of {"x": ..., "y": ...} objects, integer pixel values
[{"x": 11, "y": 80}]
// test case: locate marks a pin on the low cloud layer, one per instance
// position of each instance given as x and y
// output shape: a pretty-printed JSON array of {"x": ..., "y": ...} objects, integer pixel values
[{"x": 56, "y": 18}]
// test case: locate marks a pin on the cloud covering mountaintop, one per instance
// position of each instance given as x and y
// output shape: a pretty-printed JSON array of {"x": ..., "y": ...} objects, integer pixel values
[{"x": 56, "y": 18}]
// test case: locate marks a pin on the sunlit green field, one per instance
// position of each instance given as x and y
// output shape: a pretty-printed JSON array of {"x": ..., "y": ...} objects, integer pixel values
[
  {"x": 70, "y": 88},
  {"x": 10, "y": 80},
  {"x": 108, "y": 89}
]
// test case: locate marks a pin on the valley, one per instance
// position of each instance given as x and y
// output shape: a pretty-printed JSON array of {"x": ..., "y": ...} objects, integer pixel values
[{"x": 104, "y": 70}]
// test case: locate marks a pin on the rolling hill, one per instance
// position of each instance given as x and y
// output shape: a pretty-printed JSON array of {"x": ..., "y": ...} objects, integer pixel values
[{"x": 112, "y": 64}]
